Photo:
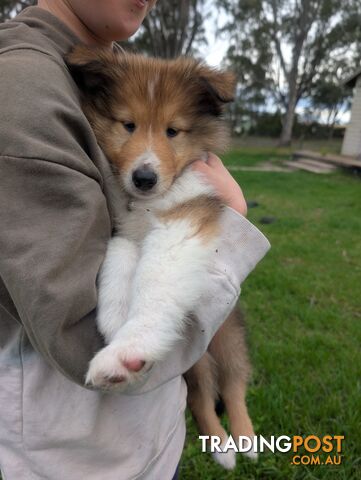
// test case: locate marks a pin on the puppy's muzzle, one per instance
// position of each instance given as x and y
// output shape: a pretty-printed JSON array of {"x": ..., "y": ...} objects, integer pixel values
[{"x": 144, "y": 178}]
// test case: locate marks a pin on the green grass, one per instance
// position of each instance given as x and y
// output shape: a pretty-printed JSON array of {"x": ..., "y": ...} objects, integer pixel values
[
  {"x": 251, "y": 156},
  {"x": 322, "y": 146},
  {"x": 304, "y": 321}
]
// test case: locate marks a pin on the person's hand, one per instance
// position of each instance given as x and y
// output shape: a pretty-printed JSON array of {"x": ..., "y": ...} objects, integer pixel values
[{"x": 225, "y": 185}]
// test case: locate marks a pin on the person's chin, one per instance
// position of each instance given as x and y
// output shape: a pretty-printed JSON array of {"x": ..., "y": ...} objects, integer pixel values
[
  {"x": 120, "y": 34},
  {"x": 128, "y": 31}
]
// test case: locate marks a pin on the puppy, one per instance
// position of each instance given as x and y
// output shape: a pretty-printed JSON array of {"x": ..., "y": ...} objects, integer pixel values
[{"x": 153, "y": 118}]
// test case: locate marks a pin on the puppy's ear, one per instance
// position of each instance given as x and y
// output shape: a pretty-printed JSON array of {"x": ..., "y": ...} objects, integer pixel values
[
  {"x": 217, "y": 88},
  {"x": 91, "y": 69}
]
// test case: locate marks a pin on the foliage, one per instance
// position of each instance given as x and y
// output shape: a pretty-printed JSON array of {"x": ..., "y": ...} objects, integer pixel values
[
  {"x": 319, "y": 36},
  {"x": 268, "y": 124},
  {"x": 327, "y": 95},
  {"x": 9, "y": 8},
  {"x": 172, "y": 28}
]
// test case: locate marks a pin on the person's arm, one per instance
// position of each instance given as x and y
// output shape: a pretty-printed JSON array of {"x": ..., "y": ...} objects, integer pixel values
[{"x": 53, "y": 214}]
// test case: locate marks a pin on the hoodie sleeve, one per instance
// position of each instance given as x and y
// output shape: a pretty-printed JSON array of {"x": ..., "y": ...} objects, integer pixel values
[{"x": 54, "y": 218}]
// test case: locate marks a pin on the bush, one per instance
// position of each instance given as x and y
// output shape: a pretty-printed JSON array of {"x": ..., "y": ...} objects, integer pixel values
[{"x": 270, "y": 125}]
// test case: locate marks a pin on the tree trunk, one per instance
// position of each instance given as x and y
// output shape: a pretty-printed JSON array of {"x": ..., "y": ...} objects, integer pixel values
[
  {"x": 293, "y": 88},
  {"x": 332, "y": 124},
  {"x": 287, "y": 126},
  {"x": 288, "y": 120}
]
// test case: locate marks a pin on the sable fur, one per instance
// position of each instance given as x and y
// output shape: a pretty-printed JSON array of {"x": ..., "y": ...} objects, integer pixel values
[
  {"x": 187, "y": 95},
  {"x": 119, "y": 90}
]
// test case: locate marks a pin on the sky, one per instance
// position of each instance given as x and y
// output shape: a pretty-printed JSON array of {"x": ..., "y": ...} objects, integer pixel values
[{"x": 216, "y": 49}]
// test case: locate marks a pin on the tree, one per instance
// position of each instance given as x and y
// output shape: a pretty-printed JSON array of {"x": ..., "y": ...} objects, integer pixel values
[
  {"x": 9, "y": 8},
  {"x": 282, "y": 48},
  {"x": 172, "y": 28},
  {"x": 331, "y": 97}
]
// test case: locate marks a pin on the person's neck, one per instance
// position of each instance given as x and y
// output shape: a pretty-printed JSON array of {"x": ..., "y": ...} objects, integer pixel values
[{"x": 64, "y": 12}]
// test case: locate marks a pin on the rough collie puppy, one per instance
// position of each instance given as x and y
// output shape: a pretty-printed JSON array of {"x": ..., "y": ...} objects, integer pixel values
[{"x": 152, "y": 118}]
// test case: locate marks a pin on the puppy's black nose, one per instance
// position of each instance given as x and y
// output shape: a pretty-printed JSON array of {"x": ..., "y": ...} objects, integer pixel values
[{"x": 144, "y": 178}]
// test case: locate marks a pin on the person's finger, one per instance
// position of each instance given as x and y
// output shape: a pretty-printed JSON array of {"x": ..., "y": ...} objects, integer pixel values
[
  {"x": 213, "y": 161},
  {"x": 200, "y": 166}
]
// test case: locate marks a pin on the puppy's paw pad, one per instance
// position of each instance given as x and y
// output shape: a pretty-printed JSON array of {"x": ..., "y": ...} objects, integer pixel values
[
  {"x": 134, "y": 365},
  {"x": 106, "y": 370},
  {"x": 111, "y": 369}
]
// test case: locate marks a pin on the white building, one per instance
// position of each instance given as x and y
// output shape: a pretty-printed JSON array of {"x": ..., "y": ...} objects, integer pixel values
[{"x": 352, "y": 141}]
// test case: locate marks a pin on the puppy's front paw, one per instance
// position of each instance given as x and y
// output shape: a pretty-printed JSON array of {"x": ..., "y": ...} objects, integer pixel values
[{"x": 113, "y": 368}]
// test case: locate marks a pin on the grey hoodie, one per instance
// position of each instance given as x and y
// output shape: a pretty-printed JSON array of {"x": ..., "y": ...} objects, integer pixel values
[{"x": 55, "y": 222}]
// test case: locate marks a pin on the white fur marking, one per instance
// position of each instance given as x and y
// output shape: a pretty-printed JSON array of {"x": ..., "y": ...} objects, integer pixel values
[
  {"x": 147, "y": 158},
  {"x": 251, "y": 454},
  {"x": 226, "y": 459},
  {"x": 151, "y": 86},
  {"x": 140, "y": 312}
]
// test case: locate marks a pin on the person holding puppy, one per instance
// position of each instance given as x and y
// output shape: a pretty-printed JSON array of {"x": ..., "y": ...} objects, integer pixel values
[{"x": 56, "y": 222}]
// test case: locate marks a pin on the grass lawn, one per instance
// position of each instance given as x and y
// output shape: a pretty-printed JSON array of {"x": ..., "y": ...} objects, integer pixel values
[
  {"x": 304, "y": 321},
  {"x": 253, "y": 144}
]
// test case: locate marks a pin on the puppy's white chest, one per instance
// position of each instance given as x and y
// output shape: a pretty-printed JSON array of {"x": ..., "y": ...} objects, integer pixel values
[
  {"x": 140, "y": 216},
  {"x": 137, "y": 221}
]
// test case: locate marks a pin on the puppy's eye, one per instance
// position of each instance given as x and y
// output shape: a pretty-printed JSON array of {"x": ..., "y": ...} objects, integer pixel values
[
  {"x": 129, "y": 126},
  {"x": 172, "y": 132}
]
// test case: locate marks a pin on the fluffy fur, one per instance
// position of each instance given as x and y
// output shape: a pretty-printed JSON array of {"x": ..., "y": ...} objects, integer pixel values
[{"x": 152, "y": 118}]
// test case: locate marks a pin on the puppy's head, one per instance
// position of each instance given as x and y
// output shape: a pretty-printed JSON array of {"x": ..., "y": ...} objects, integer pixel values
[{"x": 151, "y": 117}]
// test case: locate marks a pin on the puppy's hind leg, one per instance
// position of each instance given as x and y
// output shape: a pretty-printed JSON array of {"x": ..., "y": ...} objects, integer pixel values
[
  {"x": 233, "y": 394},
  {"x": 202, "y": 394},
  {"x": 229, "y": 349}
]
